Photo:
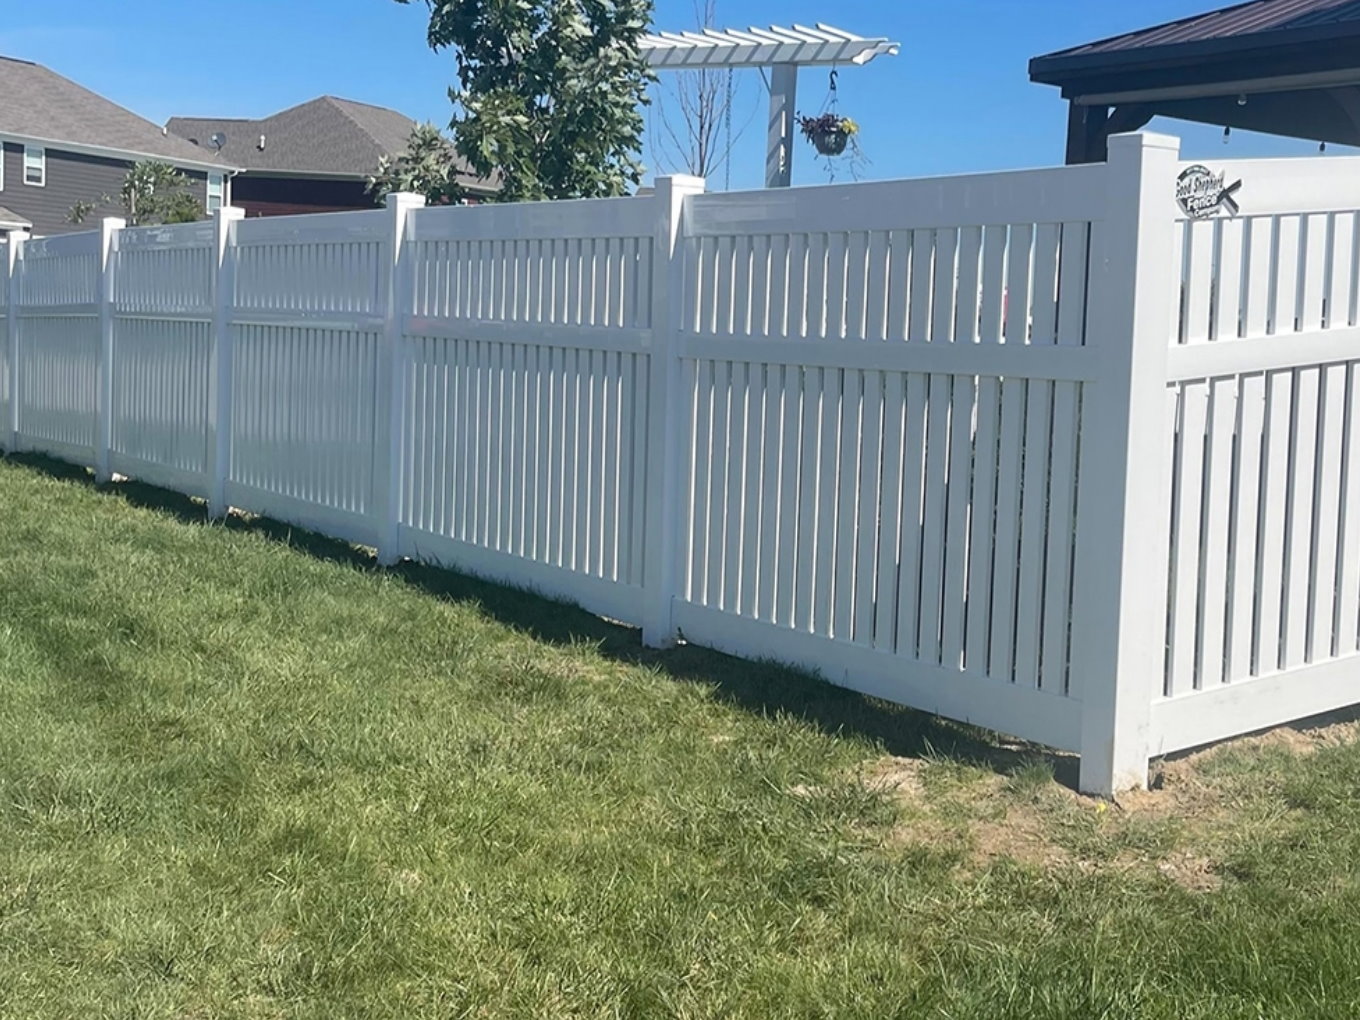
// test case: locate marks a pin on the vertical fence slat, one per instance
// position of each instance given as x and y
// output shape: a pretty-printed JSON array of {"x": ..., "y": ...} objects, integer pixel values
[
  {"x": 847, "y": 509},
  {"x": 909, "y": 537},
  {"x": 1347, "y": 616},
  {"x": 961, "y": 422},
  {"x": 1341, "y": 287},
  {"x": 1271, "y": 534},
  {"x": 982, "y": 526},
  {"x": 1006, "y": 545},
  {"x": 810, "y": 569},
  {"x": 1299, "y": 551},
  {"x": 1244, "y": 526},
  {"x": 1186, "y": 534},
  {"x": 867, "y": 523},
  {"x": 1326, "y": 504},
  {"x": 1217, "y": 513},
  {"x": 934, "y": 509},
  {"x": 790, "y": 569},
  {"x": 1033, "y": 531},
  {"x": 1257, "y": 278},
  {"x": 890, "y": 512}
]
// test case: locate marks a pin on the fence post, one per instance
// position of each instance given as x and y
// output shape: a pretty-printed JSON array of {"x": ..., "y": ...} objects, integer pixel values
[
  {"x": 665, "y": 423},
  {"x": 1122, "y": 529},
  {"x": 12, "y": 251},
  {"x": 103, "y": 444},
  {"x": 220, "y": 368},
  {"x": 387, "y": 459}
]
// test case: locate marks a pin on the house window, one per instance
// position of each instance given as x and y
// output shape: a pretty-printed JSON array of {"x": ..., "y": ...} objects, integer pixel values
[
  {"x": 215, "y": 187},
  {"x": 35, "y": 166}
]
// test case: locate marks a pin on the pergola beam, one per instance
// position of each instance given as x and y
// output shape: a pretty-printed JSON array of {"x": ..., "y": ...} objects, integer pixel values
[
  {"x": 783, "y": 51},
  {"x": 762, "y": 47}
]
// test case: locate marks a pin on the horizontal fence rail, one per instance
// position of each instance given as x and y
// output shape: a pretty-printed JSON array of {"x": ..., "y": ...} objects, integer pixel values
[{"x": 1031, "y": 450}]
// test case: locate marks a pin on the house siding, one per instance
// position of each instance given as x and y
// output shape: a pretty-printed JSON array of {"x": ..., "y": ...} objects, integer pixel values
[
  {"x": 261, "y": 195},
  {"x": 71, "y": 177}
]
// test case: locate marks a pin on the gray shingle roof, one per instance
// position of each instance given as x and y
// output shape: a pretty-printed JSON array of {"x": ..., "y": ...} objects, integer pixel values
[
  {"x": 36, "y": 102},
  {"x": 9, "y": 220},
  {"x": 326, "y": 135}
]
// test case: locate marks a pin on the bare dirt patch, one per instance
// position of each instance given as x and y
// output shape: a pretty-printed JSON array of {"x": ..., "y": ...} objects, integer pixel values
[
  {"x": 1178, "y": 829},
  {"x": 1190, "y": 871},
  {"x": 900, "y": 777},
  {"x": 1301, "y": 738},
  {"x": 1021, "y": 836}
]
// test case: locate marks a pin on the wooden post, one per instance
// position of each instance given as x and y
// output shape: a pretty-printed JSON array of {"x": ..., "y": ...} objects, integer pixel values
[
  {"x": 103, "y": 446},
  {"x": 666, "y": 424},
  {"x": 387, "y": 460},
  {"x": 783, "y": 99},
  {"x": 1118, "y": 630},
  {"x": 221, "y": 367},
  {"x": 10, "y": 428}
]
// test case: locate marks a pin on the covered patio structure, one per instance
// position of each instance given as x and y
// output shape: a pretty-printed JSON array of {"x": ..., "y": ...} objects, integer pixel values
[{"x": 1282, "y": 67}]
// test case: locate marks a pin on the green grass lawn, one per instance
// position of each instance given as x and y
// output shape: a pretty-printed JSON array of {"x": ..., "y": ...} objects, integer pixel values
[{"x": 245, "y": 774}]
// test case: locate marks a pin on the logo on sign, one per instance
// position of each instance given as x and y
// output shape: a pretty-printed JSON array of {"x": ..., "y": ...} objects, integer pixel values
[{"x": 1201, "y": 193}]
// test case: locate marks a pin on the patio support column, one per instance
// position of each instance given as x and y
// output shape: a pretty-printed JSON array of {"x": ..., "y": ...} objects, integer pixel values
[{"x": 1087, "y": 133}]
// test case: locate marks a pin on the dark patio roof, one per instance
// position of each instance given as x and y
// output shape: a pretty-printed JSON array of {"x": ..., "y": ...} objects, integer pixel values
[
  {"x": 1286, "y": 67},
  {"x": 1253, "y": 25}
]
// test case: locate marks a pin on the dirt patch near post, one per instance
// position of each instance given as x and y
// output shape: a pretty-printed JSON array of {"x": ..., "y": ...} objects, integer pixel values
[{"x": 1180, "y": 830}]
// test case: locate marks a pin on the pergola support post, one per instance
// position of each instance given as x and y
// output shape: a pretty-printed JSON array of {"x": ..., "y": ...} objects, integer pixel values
[
  {"x": 783, "y": 99},
  {"x": 1087, "y": 133}
]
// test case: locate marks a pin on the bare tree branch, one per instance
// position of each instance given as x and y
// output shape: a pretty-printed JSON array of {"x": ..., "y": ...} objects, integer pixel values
[{"x": 691, "y": 115}]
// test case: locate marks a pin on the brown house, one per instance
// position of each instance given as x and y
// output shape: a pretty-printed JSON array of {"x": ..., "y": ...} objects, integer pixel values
[
  {"x": 315, "y": 157},
  {"x": 61, "y": 144}
]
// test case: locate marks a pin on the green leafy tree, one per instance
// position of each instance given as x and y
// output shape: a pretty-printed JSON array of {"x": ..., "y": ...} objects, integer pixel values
[
  {"x": 155, "y": 192},
  {"x": 152, "y": 193},
  {"x": 549, "y": 92},
  {"x": 428, "y": 167}
]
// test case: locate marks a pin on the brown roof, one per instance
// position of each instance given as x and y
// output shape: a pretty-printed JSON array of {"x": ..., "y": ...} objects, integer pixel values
[
  {"x": 36, "y": 102},
  {"x": 1241, "y": 20},
  {"x": 1243, "y": 27},
  {"x": 327, "y": 135}
]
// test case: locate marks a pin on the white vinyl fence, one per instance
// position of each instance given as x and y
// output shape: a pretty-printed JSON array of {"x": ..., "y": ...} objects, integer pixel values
[{"x": 1029, "y": 450}]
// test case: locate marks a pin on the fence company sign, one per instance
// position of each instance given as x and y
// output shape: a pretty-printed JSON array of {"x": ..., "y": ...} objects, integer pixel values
[{"x": 1201, "y": 193}]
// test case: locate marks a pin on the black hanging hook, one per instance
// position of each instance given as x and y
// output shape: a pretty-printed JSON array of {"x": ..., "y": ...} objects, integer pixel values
[{"x": 834, "y": 75}]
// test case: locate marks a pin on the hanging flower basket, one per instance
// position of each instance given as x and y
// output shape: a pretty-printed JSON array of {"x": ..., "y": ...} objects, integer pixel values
[{"x": 830, "y": 133}]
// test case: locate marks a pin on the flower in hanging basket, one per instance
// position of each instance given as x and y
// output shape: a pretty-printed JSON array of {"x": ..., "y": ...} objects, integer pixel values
[{"x": 830, "y": 133}]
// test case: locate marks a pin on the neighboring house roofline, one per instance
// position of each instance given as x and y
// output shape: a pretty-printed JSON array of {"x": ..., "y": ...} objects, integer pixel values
[
  {"x": 44, "y": 107},
  {"x": 10, "y": 220},
  {"x": 108, "y": 152},
  {"x": 326, "y": 138}
]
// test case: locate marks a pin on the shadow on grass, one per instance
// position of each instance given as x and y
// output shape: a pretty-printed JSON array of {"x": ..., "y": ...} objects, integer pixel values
[{"x": 760, "y": 688}]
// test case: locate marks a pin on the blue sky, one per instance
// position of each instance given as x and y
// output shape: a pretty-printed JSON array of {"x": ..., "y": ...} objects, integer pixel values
[{"x": 956, "y": 99}]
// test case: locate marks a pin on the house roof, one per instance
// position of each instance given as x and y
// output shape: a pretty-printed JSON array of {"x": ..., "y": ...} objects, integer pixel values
[
  {"x": 12, "y": 220},
  {"x": 40, "y": 104},
  {"x": 1245, "y": 26},
  {"x": 326, "y": 136}
]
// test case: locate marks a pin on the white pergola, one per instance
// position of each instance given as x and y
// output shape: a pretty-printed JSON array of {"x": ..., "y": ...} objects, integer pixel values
[{"x": 784, "y": 51}]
